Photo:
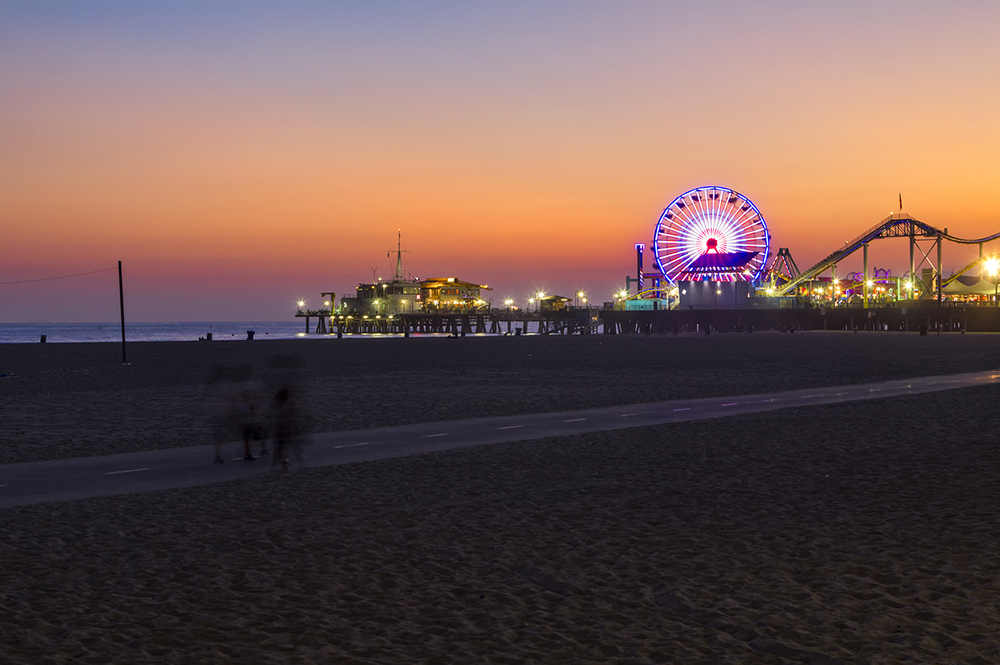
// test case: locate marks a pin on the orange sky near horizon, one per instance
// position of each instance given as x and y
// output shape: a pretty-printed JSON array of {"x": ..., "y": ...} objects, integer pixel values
[{"x": 239, "y": 156}]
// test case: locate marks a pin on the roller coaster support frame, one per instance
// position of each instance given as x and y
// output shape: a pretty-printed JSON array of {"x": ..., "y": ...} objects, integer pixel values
[
  {"x": 913, "y": 242},
  {"x": 939, "y": 267},
  {"x": 894, "y": 226},
  {"x": 865, "y": 282}
]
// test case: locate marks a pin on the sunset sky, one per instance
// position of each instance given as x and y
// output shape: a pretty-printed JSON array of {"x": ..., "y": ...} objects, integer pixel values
[{"x": 238, "y": 156}]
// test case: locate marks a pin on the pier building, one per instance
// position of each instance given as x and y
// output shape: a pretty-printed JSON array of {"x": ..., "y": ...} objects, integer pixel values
[
  {"x": 450, "y": 292},
  {"x": 397, "y": 296},
  {"x": 554, "y": 303}
]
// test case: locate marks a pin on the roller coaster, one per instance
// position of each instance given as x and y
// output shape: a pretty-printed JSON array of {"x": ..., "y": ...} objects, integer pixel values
[{"x": 899, "y": 225}]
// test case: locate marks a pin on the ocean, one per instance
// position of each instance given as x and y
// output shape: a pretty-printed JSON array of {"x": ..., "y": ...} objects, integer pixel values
[{"x": 16, "y": 333}]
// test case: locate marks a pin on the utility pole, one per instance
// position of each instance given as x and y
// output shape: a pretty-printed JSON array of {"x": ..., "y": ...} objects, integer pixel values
[{"x": 121, "y": 305}]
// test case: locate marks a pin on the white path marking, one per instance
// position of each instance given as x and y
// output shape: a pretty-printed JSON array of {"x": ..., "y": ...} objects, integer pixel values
[
  {"x": 352, "y": 445},
  {"x": 684, "y": 409},
  {"x": 809, "y": 396},
  {"x": 510, "y": 427},
  {"x": 112, "y": 473},
  {"x": 628, "y": 415},
  {"x": 731, "y": 404},
  {"x": 431, "y": 436},
  {"x": 574, "y": 420}
]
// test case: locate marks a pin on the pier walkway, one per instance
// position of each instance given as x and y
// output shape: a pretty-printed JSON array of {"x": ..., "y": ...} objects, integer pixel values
[{"x": 127, "y": 473}]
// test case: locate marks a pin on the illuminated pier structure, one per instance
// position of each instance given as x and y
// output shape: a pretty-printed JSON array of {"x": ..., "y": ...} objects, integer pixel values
[
  {"x": 491, "y": 322},
  {"x": 712, "y": 251}
]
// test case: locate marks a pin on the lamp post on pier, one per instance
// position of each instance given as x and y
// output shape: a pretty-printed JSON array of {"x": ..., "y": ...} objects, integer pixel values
[{"x": 992, "y": 266}]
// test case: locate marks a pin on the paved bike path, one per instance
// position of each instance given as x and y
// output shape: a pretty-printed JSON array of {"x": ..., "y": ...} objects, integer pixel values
[{"x": 126, "y": 473}]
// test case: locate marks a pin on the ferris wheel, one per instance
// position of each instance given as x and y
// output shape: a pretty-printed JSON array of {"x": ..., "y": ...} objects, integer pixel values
[{"x": 711, "y": 233}]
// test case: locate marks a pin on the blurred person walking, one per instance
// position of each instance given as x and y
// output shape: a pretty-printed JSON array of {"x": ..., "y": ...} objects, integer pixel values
[{"x": 286, "y": 428}]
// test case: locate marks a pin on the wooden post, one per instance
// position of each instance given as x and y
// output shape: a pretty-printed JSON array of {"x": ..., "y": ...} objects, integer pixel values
[{"x": 121, "y": 305}]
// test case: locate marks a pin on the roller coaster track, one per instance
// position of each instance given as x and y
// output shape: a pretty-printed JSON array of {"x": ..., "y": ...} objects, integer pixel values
[
  {"x": 967, "y": 268},
  {"x": 893, "y": 226},
  {"x": 648, "y": 293}
]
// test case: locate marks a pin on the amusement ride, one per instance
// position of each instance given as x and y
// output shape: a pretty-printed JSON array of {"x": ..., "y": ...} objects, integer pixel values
[{"x": 717, "y": 235}]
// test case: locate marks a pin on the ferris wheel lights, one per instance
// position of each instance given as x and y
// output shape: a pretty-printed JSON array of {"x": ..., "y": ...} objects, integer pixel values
[{"x": 716, "y": 220}]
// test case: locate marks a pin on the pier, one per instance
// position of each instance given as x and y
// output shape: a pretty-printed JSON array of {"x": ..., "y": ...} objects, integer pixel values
[
  {"x": 494, "y": 322},
  {"x": 913, "y": 318}
]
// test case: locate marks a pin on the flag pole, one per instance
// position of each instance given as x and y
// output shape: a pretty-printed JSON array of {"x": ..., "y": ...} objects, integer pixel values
[{"x": 121, "y": 304}]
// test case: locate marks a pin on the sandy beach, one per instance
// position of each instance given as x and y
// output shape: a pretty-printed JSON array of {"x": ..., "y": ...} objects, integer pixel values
[
  {"x": 861, "y": 532},
  {"x": 71, "y": 400}
]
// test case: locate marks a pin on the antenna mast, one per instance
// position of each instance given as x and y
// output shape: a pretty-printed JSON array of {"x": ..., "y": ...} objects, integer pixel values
[
  {"x": 399, "y": 276},
  {"x": 399, "y": 255}
]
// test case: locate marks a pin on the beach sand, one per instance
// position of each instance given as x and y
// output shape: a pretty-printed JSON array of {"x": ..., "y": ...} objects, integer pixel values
[
  {"x": 859, "y": 532},
  {"x": 70, "y": 400}
]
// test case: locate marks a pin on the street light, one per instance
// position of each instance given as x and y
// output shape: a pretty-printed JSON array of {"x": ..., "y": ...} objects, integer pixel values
[{"x": 992, "y": 267}]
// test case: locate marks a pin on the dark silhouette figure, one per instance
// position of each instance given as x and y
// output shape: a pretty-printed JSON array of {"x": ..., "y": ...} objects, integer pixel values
[{"x": 285, "y": 430}]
